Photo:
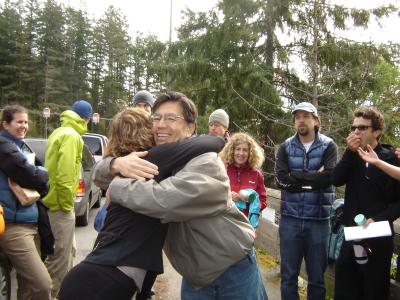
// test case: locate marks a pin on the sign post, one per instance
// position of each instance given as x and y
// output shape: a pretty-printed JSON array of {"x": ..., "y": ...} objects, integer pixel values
[
  {"x": 96, "y": 118},
  {"x": 46, "y": 115}
]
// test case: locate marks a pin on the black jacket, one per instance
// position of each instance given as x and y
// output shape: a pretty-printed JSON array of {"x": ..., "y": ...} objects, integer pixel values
[
  {"x": 136, "y": 240},
  {"x": 369, "y": 190},
  {"x": 14, "y": 165}
]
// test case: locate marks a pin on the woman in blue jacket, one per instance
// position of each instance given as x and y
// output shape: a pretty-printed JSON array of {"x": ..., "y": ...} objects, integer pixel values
[{"x": 18, "y": 240}]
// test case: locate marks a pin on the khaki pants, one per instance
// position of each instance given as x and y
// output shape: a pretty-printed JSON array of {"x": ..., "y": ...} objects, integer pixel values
[
  {"x": 58, "y": 264},
  {"x": 18, "y": 242}
]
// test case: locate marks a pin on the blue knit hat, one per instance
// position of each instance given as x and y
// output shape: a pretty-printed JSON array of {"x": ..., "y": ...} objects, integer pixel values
[{"x": 83, "y": 109}]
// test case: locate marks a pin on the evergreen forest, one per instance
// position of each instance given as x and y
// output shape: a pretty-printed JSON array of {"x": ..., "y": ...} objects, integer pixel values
[{"x": 254, "y": 58}]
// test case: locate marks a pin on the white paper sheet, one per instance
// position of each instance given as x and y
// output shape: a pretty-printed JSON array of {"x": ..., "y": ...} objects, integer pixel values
[
  {"x": 376, "y": 229},
  {"x": 30, "y": 157}
]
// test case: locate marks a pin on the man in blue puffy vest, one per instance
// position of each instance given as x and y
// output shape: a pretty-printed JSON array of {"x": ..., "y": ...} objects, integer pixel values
[{"x": 303, "y": 167}]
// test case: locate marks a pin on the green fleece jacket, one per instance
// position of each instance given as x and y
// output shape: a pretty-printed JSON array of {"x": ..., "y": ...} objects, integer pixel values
[{"x": 63, "y": 161}]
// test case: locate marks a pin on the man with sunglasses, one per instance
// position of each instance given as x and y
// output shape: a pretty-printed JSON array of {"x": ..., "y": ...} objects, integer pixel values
[
  {"x": 371, "y": 192},
  {"x": 303, "y": 166}
]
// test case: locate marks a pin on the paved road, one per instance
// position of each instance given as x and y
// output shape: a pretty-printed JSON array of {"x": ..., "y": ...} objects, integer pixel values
[{"x": 85, "y": 237}]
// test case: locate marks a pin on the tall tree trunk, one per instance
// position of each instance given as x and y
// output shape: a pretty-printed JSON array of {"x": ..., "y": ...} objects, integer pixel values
[
  {"x": 46, "y": 81},
  {"x": 314, "y": 55},
  {"x": 269, "y": 42}
]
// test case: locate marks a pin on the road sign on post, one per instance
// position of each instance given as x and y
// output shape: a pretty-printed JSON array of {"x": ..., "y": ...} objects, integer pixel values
[
  {"x": 46, "y": 115},
  {"x": 96, "y": 118},
  {"x": 46, "y": 112}
]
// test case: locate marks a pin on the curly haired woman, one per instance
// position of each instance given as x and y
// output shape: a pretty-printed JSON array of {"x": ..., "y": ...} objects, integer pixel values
[{"x": 243, "y": 158}]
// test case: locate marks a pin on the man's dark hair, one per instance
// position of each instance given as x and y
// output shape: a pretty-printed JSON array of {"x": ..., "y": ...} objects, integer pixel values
[
  {"x": 371, "y": 113},
  {"x": 189, "y": 109},
  {"x": 9, "y": 111}
]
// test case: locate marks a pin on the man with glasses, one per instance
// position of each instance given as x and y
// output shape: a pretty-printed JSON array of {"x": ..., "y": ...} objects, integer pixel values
[
  {"x": 303, "y": 166},
  {"x": 373, "y": 193},
  {"x": 209, "y": 241}
]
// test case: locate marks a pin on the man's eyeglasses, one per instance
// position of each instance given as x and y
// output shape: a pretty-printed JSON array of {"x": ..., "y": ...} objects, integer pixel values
[
  {"x": 360, "y": 127},
  {"x": 168, "y": 118}
]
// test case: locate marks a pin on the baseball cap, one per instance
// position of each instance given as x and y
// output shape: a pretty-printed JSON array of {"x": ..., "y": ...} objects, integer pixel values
[{"x": 306, "y": 106}]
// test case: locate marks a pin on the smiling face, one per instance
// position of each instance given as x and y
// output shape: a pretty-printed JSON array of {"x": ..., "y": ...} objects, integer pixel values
[
  {"x": 368, "y": 135},
  {"x": 241, "y": 154},
  {"x": 166, "y": 130},
  {"x": 18, "y": 127}
]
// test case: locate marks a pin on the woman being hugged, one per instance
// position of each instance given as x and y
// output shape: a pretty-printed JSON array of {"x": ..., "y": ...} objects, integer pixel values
[
  {"x": 127, "y": 255},
  {"x": 17, "y": 242},
  {"x": 243, "y": 158}
]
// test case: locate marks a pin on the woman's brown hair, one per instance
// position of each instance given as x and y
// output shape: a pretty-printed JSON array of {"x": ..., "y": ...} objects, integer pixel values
[
  {"x": 130, "y": 131},
  {"x": 9, "y": 111}
]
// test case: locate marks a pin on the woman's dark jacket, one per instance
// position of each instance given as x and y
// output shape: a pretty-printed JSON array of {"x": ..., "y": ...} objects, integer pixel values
[
  {"x": 136, "y": 240},
  {"x": 15, "y": 165}
]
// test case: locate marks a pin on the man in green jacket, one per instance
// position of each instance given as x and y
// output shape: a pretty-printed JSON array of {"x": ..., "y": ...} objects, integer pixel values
[{"x": 63, "y": 161}]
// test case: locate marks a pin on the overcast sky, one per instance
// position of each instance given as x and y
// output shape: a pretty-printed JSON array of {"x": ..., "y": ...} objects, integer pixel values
[
  {"x": 152, "y": 16},
  {"x": 147, "y": 16}
]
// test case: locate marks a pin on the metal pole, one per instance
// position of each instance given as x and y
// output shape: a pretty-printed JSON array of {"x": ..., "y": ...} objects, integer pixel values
[
  {"x": 169, "y": 45},
  {"x": 45, "y": 133},
  {"x": 170, "y": 24}
]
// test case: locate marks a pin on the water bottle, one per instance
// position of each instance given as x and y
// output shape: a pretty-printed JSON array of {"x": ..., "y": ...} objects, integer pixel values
[
  {"x": 248, "y": 195},
  {"x": 360, "y": 252}
]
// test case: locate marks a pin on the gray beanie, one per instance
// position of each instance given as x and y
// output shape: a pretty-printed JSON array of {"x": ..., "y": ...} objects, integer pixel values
[
  {"x": 143, "y": 96},
  {"x": 219, "y": 116}
]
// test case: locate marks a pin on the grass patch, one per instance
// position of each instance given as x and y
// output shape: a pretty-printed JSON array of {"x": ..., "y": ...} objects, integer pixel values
[{"x": 266, "y": 260}]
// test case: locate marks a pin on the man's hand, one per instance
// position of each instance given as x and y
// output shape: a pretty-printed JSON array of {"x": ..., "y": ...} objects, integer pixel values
[
  {"x": 369, "y": 221},
  {"x": 397, "y": 152},
  {"x": 236, "y": 196},
  {"x": 133, "y": 166},
  {"x": 353, "y": 142},
  {"x": 368, "y": 155}
]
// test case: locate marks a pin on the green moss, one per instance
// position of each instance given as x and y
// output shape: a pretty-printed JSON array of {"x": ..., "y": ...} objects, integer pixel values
[{"x": 266, "y": 260}]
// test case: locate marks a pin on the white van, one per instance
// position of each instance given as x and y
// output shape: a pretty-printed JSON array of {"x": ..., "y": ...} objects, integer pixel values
[{"x": 96, "y": 143}]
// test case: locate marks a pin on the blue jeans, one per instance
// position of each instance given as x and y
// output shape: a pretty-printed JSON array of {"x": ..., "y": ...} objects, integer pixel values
[
  {"x": 239, "y": 282},
  {"x": 306, "y": 239}
]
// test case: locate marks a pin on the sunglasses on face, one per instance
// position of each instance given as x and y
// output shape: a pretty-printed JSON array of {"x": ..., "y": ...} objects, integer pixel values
[{"x": 360, "y": 127}]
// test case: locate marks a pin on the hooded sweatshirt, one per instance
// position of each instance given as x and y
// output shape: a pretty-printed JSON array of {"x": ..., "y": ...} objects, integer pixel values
[{"x": 63, "y": 161}]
